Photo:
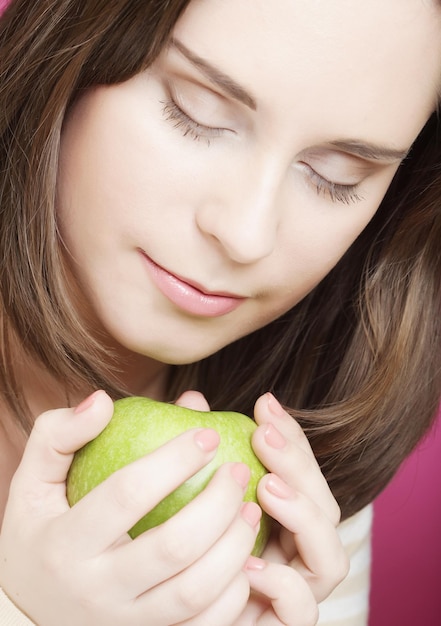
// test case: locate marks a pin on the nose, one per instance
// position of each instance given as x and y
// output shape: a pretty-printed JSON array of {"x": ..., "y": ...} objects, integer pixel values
[{"x": 240, "y": 213}]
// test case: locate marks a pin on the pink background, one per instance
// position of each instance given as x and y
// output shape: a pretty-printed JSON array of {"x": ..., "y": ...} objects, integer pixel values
[
  {"x": 3, "y": 3},
  {"x": 406, "y": 568}
]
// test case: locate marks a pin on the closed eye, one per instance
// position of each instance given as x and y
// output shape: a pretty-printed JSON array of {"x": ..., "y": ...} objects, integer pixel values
[
  {"x": 337, "y": 192},
  {"x": 187, "y": 125}
]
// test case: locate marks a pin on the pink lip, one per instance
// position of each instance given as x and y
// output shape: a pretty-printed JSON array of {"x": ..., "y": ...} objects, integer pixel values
[{"x": 188, "y": 296}]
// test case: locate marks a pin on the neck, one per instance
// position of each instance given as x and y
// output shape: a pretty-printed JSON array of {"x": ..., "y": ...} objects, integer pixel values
[{"x": 137, "y": 374}]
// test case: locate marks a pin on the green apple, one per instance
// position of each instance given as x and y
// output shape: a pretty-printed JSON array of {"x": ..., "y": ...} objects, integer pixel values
[{"x": 139, "y": 426}]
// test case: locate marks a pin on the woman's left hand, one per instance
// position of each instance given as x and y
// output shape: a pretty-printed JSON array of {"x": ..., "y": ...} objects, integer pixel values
[{"x": 304, "y": 560}]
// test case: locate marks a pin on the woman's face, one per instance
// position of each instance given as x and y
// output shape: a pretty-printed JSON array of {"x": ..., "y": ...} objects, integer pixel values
[{"x": 208, "y": 195}]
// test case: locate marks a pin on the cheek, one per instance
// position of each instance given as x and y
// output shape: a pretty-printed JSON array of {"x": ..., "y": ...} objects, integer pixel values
[{"x": 316, "y": 245}]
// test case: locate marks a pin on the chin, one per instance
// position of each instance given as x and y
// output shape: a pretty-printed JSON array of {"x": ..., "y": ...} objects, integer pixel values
[
  {"x": 187, "y": 348},
  {"x": 178, "y": 356}
]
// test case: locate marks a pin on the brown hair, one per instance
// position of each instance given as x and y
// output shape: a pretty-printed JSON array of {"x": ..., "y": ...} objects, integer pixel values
[{"x": 357, "y": 361}]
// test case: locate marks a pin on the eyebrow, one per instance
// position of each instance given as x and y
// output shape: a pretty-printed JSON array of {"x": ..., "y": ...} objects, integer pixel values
[
  {"x": 369, "y": 150},
  {"x": 357, "y": 147},
  {"x": 216, "y": 76}
]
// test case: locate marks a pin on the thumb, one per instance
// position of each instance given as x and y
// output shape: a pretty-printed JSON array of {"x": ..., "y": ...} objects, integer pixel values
[
  {"x": 56, "y": 435},
  {"x": 193, "y": 400}
]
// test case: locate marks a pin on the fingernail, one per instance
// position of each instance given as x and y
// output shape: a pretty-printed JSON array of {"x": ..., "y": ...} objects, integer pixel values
[
  {"x": 277, "y": 487},
  {"x": 274, "y": 406},
  {"x": 273, "y": 437},
  {"x": 255, "y": 564},
  {"x": 87, "y": 402},
  {"x": 241, "y": 474},
  {"x": 251, "y": 513},
  {"x": 207, "y": 439}
]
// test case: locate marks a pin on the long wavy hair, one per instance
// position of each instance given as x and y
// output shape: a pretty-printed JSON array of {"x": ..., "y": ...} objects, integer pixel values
[{"x": 357, "y": 362}]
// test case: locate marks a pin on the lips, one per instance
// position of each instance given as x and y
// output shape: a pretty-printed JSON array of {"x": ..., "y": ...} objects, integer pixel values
[{"x": 188, "y": 295}]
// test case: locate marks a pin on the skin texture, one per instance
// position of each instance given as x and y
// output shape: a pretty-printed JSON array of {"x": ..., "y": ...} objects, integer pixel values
[
  {"x": 266, "y": 235},
  {"x": 238, "y": 206}
]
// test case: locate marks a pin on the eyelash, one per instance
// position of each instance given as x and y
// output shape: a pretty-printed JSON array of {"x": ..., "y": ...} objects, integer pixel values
[
  {"x": 346, "y": 194},
  {"x": 188, "y": 126}
]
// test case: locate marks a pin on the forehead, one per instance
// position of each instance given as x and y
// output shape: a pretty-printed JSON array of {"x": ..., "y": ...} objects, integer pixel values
[{"x": 354, "y": 62}]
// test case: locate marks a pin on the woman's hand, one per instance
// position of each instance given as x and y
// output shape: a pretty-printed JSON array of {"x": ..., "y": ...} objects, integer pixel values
[
  {"x": 304, "y": 560},
  {"x": 77, "y": 566}
]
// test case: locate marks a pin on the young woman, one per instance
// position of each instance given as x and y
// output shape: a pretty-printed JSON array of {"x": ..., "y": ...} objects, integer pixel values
[{"x": 238, "y": 197}]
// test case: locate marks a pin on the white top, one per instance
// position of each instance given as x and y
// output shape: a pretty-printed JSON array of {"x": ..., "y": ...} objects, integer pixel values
[
  {"x": 348, "y": 604},
  {"x": 10, "y": 615}
]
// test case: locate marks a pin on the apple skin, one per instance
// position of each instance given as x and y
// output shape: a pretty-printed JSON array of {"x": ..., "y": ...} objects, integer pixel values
[{"x": 140, "y": 425}]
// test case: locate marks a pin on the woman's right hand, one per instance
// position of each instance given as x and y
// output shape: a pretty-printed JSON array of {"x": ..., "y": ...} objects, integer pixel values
[{"x": 78, "y": 567}]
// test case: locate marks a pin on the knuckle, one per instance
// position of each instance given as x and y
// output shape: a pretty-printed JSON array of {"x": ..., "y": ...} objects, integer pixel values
[
  {"x": 316, "y": 518},
  {"x": 303, "y": 463},
  {"x": 192, "y": 596},
  {"x": 341, "y": 567},
  {"x": 125, "y": 493},
  {"x": 53, "y": 561},
  {"x": 288, "y": 587},
  {"x": 312, "y": 615},
  {"x": 174, "y": 549},
  {"x": 307, "y": 463},
  {"x": 47, "y": 432},
  {"x": 335, "y": 513},
  {"x": 297, "y": 434},
  {"x": 286, "y": 583},
  {"x": 43, "y": 425}
]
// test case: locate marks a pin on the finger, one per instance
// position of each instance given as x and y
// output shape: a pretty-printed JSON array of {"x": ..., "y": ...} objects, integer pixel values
[
  {"x": 184, "y": 538},
  {"x": 56, "y": 435},
  {"x": 292, "y": 602},
  {"x": 280, "y": 547},
  {"x": 192, "y": 591},
  {"x": 321, "y": 559},
  {"x": 193, "y": 400},
  {"x": 268, "y": 409},
  {"x": 108, "y": 511},
  {"x": 285, "y": 451},
  {"x": 227, "y": 608}
]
